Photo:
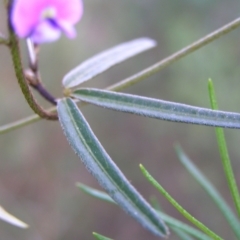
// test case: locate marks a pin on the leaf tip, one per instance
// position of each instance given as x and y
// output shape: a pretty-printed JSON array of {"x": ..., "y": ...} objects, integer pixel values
[{"x": 142, "y": 168}]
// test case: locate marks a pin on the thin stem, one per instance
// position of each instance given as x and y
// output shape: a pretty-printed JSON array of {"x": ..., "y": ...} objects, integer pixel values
[
  {"x": 176, "y": 56},
  {"x": 145, "y": 73},
  {"x": 16, "y": 58},
  {"x": 32, "y": 55},
  {"x": 44, "y": 93},
  {"x": 32, "y": 74},
  {"x": 224, "y": 153},
  {"x": 21, "y": 123},
  {"x": 33, "y": 79}
]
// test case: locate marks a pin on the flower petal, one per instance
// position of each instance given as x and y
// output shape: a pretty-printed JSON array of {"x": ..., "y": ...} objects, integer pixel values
[
  {"x": 25, "y": 15},
  {"x": 70, "y": 11},
  {"x": 29, "y": 18},
  {"x": 45, "y": 32},
  {"x": 67, "y": 28}
]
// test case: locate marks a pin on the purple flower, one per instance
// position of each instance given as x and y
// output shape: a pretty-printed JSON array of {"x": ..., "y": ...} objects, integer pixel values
[{"x": 44, "y": 20}]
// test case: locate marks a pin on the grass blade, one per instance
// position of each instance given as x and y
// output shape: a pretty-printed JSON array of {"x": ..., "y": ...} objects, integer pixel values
[
  {"x": 95, "y": 193},
  {"x": 211, "y": 190},
  {"x": 100, "y": 237},
  {"x": 224, "y": 153},
  {"x": 182, "y": 235}
]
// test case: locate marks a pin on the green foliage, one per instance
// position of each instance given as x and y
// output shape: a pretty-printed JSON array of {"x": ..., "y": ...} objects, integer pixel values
[
  {"x": 172, "y": 222},
  {"x": 224, "y": 153},
  {"x": 100, "y": 237},
  {"x": 211, "y": 191},
  {"x": 177, "y": 205}
]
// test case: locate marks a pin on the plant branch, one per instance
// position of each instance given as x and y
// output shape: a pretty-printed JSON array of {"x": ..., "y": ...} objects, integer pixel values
[{"x": 143, "y": 74}]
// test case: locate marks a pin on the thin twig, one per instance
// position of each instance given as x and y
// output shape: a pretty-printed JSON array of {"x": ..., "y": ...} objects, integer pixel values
[
  {"x": 176, "y": 56},
  {"x": 32, "y": 74}
]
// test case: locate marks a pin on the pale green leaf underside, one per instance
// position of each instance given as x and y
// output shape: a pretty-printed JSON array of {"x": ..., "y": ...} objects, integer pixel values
[
  {"x": 101, "y": 166},
  {"x": 104, "y": 60},
  {"x": 156, "y": 108}
]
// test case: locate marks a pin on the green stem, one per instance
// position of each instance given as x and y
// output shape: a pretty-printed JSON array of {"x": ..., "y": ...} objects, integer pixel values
[
  {"x": 145, "y": 73},
  {"x": 17, "y": 63},
  {"x": 224, "y": 152},
  {"x": 176, "y": 56}
]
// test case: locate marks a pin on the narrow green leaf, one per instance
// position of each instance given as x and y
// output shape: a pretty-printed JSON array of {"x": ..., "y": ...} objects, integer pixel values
[
  {"x": 159, "y": 109},
  {"x": 95, "y": 193},
  {"x": 99, "y": 163},
  {"x": 222, "y": 145},
  {"x": 155, "y": 203},
  {"x": 100, "y": 237},
  {"x": 105, "y": 60},
  {"x": 7, "y": 217},
  {"x": 211, "y": 190},
  {"x": 182, "y": 235},
  {"x": 178, "y": 206},
  {"x": 172, "y": 222}
]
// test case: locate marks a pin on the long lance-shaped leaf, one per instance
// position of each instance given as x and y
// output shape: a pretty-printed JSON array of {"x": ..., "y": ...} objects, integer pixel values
[
  {"x": 159, "y": 109},
  {"x": 172, "y": 222},
  {"x": 101, "y": 166},
  {"x": 211, "y": 190},
  {"x": 105, "y": 60}
]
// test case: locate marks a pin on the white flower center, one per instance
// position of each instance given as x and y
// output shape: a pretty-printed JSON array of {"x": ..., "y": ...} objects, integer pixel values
[{"x": 49, "y": 13}]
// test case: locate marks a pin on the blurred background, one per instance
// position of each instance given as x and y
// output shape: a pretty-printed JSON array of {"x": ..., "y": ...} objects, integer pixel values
[{"x": 38, "y": 169}]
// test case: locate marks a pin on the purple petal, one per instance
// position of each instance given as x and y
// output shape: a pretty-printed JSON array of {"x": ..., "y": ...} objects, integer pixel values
[
  {"x": 26, "y": 15},
  {"x": 68, "y": 10},
  {"x": 27, "y": 18},
  {"x": 45, "y": 32},
  {"x": 67, "y": 28}
]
